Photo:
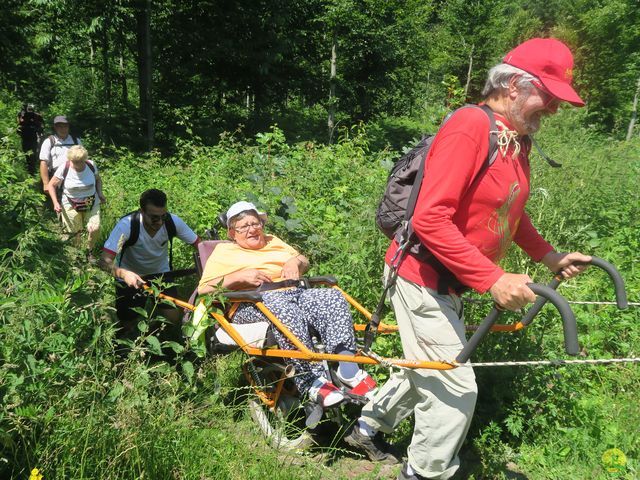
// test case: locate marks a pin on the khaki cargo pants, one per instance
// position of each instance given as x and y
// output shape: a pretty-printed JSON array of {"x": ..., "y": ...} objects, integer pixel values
[{"x": 442, "y": 401}]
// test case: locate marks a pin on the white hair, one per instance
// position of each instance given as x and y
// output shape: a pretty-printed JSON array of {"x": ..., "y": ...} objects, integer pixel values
[{"x": 499, "y": 77}]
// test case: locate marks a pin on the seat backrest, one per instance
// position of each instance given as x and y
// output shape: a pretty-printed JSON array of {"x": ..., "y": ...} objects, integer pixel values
[{"x": 205, "y": 249}]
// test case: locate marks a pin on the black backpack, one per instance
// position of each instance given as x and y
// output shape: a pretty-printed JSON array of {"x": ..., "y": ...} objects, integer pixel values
[
  {"x": 398, "y": 203},
  {"x": 134, "y": 234},
  {"x": 396, "y": 208},
  {"x": 52, "y": 141}
]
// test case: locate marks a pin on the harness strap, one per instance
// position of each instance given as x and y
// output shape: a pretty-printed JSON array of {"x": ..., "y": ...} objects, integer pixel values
[{"x": 372, "y": 326}]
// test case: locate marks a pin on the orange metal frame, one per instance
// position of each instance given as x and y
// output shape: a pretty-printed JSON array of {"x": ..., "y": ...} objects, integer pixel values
[{"x": 304, "y": 353}]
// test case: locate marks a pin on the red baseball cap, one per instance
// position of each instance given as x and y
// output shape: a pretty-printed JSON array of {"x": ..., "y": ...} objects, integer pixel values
[{"x": 551, "y": 62}]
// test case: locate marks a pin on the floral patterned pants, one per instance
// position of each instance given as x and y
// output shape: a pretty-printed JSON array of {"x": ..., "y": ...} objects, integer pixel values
[{"x": 304, "y": 312}]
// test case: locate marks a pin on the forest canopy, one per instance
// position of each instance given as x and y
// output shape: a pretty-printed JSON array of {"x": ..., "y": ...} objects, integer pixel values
[{"x": 164, "y": 67}]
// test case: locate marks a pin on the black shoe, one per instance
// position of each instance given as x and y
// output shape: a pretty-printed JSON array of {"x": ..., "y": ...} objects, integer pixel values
[
  {"x": 375, "y": 447},
  {"x": 403, "y": 475}
]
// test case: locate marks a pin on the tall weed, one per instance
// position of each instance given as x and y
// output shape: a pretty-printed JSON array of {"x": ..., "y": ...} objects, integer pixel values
[{"x": 74, "y": 408}]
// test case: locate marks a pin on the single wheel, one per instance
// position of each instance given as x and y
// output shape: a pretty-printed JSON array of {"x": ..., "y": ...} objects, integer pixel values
[{"x": 282, "y": 428}]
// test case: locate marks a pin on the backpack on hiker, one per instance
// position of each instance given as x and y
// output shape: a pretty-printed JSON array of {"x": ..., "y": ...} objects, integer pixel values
[
  {"x": 396, "y": 208},
  {"x": 398, "y": 202},
  {"x": 52, "y": 143},
  {"x": 82, "y": 204},
  {"x": 134, "y": 234}
]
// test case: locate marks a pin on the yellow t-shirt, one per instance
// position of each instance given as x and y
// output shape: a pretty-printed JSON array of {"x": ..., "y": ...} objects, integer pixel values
[{"x": 228, "y": 258}]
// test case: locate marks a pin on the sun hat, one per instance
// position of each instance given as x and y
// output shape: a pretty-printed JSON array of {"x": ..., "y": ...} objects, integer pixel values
[
  {"x": 60, "y": 119},
  {"x": 549, "y": 60},
  {"x": 239, "y": 207}
]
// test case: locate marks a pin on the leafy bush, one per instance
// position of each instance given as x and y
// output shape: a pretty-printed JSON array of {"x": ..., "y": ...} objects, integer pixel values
[{"x": 75, "y": 409}]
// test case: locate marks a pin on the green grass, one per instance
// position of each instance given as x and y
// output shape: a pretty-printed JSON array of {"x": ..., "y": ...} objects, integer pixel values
[{"x": 73, "y": 408}]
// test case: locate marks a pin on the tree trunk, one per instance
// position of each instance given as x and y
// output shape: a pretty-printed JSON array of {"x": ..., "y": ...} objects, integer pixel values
[
  {"x": 105, "y": 61},
  {"x": 123, "y": 75},
  {"x": 466, "y": 87},
  {"x": 332, "y": 87},
  {"x": 634, "y": 112},
  {"x": 92, "y": 54},
  {"x": 143, "y": 20}
]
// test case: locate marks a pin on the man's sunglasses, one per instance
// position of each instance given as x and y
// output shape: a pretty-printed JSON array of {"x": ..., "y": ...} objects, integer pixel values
[
  {"x": 546, "y": 95},
  {"x": 157, "y": 218}
]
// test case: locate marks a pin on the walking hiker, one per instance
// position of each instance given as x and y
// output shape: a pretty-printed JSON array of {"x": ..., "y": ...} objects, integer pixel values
[
  {"x": 80, "y": 182},
  {"x": 53, "y": 152},
  {"x": 466, "y": 223},
  {"x": 30, "y": 127},
  {"x": 141, "y": 245}
]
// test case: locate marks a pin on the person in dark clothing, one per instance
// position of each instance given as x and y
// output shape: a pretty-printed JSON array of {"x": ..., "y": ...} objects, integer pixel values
[{"x": 30, "y": 128}]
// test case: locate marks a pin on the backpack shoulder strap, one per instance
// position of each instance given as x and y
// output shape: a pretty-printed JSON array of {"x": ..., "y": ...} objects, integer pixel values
[
  {"x": 493, "y": 135},
  {"x": 171, "y": 226},
  {"x": 75, "y": 139},
  {"x": 134, "y": 233},
  {"x": 91, "y": 167},
  {"x": 65, "y": 172},
  {"x": 415, "y": 188},
  {"x": 171, "y": 233}
]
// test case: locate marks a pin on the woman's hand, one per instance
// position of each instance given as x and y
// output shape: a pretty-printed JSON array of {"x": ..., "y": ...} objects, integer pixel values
[
  {"x": 291, "y": 269},
  {"x": 57, "y": 207},
  {"x": 565, "y": 263},
  {"x": 252, "y": 277}
]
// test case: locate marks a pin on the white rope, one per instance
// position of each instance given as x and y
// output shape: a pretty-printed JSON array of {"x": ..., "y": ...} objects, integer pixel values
[
  {"x": 585, "y": 302},
  {"x": 554, "y": 363},
  {"x": 571, "y": 302}
]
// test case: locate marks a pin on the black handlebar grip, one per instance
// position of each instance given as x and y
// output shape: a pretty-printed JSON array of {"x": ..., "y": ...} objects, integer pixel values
[
  {"x": 538, "y": 304},
  {"x": 328, "y": 279},
  {"x": 616, "y": 278},
  {"x": 478, "y": 335},
  {"x": 251, "y": 296},
  {"x": 569, "y": 324}
]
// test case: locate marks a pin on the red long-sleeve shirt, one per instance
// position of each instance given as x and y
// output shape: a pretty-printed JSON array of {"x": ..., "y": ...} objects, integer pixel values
[{"x": 469, "y": 225}]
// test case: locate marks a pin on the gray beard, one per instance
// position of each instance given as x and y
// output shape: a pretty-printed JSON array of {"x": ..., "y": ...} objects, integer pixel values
[{"x": 532, "y": 125}]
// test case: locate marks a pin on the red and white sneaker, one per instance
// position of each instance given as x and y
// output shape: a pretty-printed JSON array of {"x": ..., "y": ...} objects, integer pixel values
[
  {"x": 325, "y": 393},
  {"x": 362, "y": 384}
]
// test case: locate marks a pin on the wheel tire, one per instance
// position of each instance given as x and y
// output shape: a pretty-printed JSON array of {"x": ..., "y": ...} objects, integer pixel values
[{"x": 273, "y": 427}]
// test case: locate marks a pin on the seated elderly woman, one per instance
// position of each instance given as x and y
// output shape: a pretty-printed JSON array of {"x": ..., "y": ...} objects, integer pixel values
[{"x": 254, "y": 258}]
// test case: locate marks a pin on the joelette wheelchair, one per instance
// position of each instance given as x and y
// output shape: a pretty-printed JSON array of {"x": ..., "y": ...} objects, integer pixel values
[{"x": 286, "y": 419}]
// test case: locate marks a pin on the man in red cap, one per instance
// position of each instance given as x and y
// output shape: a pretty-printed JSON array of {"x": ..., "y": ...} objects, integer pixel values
[{"x": 469, "y": 210}]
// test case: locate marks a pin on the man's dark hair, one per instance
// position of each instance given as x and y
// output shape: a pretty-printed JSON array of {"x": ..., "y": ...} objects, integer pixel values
[{"x": 153, "y": 196}]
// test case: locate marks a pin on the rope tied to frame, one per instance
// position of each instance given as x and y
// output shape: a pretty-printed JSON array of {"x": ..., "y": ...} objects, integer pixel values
[{"x": 381, "y": 360}]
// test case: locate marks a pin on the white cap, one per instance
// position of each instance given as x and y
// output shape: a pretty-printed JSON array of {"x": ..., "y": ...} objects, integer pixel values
[{"x": 239, "y": 207}]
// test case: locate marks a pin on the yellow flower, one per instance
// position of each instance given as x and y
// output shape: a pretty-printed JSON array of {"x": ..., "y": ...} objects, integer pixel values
[{"x": 35, "y": 475}]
